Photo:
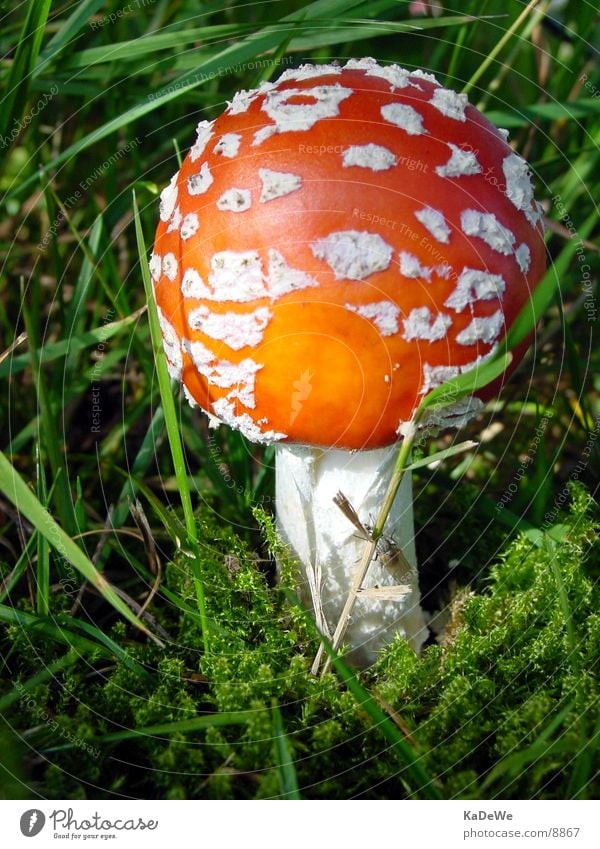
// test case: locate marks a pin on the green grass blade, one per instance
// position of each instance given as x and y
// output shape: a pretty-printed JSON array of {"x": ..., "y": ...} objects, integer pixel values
[
  {"x": 225, "y": 60},
  {"x": 65, "y": 630},
  {"x": 50, "y": 630},
  {"x": 19, "y": 494},
  {"x": 442, "y": 455},
  {"x": 151, "y": 45},
  {"x": 516, "y": 763},
  {"x": 422, "y": 784},
  {"x": 284, "y": 758},
  {"x": 75, "y": 311},
  {"x": 164, "y": 382},
  {"x": 499, "y": 46},
  {"x": 43, "y": 552},
  {"x": 542, "y": 295},
  {"x": 47, "y": 418},
  {"x": 98, "y": 636},
  {"x": 524, "y": 116},
  {"x": 55, "y": 350},
  {"x": 348, "y": 32},
  {"x": 465, "y": 384},
  {"x": 171, "y": 424},
  {"x": 68, "y": 31},
  {"x": 46, "y": 673},
  {"x": 198, "y": 723},
  {"x": 133, "y": 483},
  {"x": 583, "y": 768},
  {"x": 19, "y": 78},
  {"x": 19, "y": 568}
]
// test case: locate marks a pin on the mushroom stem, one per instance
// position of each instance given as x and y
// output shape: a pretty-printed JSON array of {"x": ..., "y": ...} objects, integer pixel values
[{"x": 328, "y": 543}]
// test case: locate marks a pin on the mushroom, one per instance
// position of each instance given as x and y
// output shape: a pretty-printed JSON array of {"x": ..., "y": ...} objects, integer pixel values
[{"x": 335, "y": 245}]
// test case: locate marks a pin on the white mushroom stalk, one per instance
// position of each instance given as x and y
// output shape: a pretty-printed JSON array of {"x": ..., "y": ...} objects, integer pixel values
[{"x": 329, "y": 547}]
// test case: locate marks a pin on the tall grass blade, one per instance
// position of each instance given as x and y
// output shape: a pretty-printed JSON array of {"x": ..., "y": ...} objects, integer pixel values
[
  {"x": 68, "y": 31},
  {"x": 284, "y": 758},
  {"x": 19, "y": 77},
  {"x": 172, "y": 426},
  {"x": 19, "y": 494}
]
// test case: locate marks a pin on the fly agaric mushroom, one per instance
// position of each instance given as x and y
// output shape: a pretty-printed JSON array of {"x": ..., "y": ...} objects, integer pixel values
[{"x": 334, "y": 246}]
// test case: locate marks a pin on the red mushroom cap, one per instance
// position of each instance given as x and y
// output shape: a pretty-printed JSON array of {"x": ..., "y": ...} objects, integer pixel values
[{"x": 335, "y": 245}]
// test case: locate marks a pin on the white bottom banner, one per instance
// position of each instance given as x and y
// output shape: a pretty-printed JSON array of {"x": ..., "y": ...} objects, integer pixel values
[{"x": 347, "y": 824}]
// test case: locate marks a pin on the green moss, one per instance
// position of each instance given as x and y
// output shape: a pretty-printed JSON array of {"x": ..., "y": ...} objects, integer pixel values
[
  {"x": 526, "y": 648},
  {"x": 516, "y": 653}
]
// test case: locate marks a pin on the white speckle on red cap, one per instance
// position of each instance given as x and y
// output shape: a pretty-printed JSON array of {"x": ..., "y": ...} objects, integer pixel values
[
  {"x": 263, "y": 134},
  {"x": 276, "y": 184},
  {"x": 155, "y": 266},
  {"x": 424, "y": 75},
  {"x": 239, "y": 377},
  {"x": 486, "y": 226},
  {"x": 405, "y": 117},
  {"x": 411, "y": 267},
  {"x": 435, "y": 222},
  {"x": 170, "y": 266},
  {"x": 204, "y": 135},
  {"x": 168, "y": 198},
  {"x": 225, "y": 411},
  {"x": 482, "y": 329},
  {"x": 478, "y": 361},
  {"x": 298, "y": 117},
  {"x": 364, "y": 64},
  {"x": 523, "y": 257},
  {"x": 396, "y": 76},
  {"x": 199, "y": 183},
  {"x": 189, "y": 226},
  {"x": 241, "y": 101},
  {"x": 383, "y": 314},
  {"x": 228, "y": 145},
  {"x": 450, "y": 103},
  {"x": 237, "y": 276},
  {"x": 421, "y": 324},
  {"x": 307, "y": 72},
  {"x": 437, "y": 375},
  {"x": 462, "y": 163},
  {"x": 352, "y": 254},
  {"x": 235, "y": 200},
  {"x": 519, "y": 189},
  {"x": 193, "y": 286},
  {"x": 373, "y": 156},
  {"x": 504, "y": 134},
  {"x": 171, "y": 345},
  {"x": 213, "y": 421},
  {"x": 282, "y": 279},
  {"x": 175, "y": 220},
  {"x": 235, "y": 329},
  {"x": 475, "y": 285}
]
